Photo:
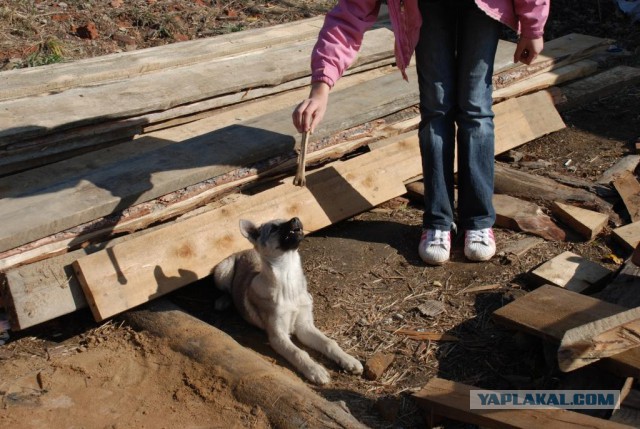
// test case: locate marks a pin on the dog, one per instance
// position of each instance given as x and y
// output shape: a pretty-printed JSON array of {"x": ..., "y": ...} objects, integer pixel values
[{"x": 269, "y": 289}]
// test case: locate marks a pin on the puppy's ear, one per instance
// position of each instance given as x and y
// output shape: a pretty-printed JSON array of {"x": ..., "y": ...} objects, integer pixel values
[{"x": 249, "y": 230}]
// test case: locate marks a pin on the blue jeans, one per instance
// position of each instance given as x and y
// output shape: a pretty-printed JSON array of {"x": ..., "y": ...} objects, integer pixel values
[{"x": 454, "y": 60}]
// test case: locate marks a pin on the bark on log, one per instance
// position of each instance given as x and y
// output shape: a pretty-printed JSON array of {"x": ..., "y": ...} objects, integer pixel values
[
  {"x": 532, "y": 187},
  {"x": 287, "y": 401}
]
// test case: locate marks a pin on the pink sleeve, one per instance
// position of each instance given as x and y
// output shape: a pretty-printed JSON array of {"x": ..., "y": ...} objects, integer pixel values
[
  {"x": 340, "y": 38},
  {"x": 532, "y": 15}
]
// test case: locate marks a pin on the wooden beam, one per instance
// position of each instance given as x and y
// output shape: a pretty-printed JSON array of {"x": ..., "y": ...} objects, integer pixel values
[
  {"x": 609, "y": 336},
  {"x": 557, "y": 53},
  {"x": 570, "y": 271},
  {"x": 624, "y": 290},
  {"x": 585, "y": 222},
  {"x": 451, "y": 399},
  {"x": 520, "y": 215},
  {"x": 92, "y": 71},
  {"x": 628, "y": 235},
  {"x": 525, "y": 185},
  {"x": 549, "y": 311},
  {"x": 627, "y": 164},
  {"x": 601, "y": 85},
  {"x": 629, "y": 189},
  {"x": 35, "y": 116},
  {"x": 541, "y": 81},
  {"x": 134, "y": 272}
]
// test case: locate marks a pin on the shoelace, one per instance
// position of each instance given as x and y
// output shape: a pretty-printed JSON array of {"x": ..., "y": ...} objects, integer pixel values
[
  {"x": 436, "y": 237},
  {"x": 478, "y": 236}
]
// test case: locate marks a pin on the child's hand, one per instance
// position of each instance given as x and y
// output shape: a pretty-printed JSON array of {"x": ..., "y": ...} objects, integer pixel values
[
  {"x": 310, "y": 112},
  {"x": 527, "y": 50}
]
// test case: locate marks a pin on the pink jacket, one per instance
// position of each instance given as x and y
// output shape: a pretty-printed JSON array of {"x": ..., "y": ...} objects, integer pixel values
[{"x": 341, "y": 36}]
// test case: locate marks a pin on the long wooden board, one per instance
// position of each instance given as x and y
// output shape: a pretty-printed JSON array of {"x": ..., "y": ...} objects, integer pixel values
[
  {"x": 131, "y": 273},
  {"x": 451, "y": 399},
  {"x": 557, "y": 53},
  {"x": 549, "y": 311},
  {"x": 208, "y": 154},
  {"x": 30, "y": 117},
  {"x": 92, "y": 71}
]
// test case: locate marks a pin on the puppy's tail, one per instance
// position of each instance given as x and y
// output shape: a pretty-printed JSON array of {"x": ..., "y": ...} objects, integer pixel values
[{"x": 223, "y": 274}]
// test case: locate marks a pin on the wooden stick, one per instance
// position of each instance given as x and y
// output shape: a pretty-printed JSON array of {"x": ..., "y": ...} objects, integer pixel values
[{"x": 299, "y": 180}]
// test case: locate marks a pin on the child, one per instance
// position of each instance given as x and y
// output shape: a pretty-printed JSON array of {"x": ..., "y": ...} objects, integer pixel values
[{"x": 455, "y": 43}]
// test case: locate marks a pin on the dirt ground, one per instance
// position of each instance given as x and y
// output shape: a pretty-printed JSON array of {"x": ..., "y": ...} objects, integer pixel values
[{"x": 364, "y": 273}]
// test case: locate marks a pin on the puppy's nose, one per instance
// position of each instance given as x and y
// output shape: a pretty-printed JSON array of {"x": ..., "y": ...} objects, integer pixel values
[{"x": 295, "y": 224}]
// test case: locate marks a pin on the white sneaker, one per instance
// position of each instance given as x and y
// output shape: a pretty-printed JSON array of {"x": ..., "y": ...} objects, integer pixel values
[
  {"x": 435, "y": 246},
  {"x": 479, "y": 244}
]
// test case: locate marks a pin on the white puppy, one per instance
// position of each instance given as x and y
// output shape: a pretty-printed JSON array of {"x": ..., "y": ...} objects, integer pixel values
[{"x": 269, "y": 289}]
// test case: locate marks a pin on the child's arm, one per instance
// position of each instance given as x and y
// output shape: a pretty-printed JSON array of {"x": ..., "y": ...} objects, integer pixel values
[
  {"x": 338, "y": 44},
  {"x": 532, "y": 15}
]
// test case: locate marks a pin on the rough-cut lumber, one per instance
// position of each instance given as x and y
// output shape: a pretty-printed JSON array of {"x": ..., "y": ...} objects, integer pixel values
[
  {"x": 520, "y": 247},
  {"x": 628, "y": 235},
  {"x": 545, "y": 80},
  {"x": 522, "y": 119},
  {"x": 557, "y": 53},
  {"x": 450, "y": 399},
  {"x": 597, "y": 86},
  {"x": 92, "y": 71},
  {"x": 624, "y": 290},
  {"x": 627, "y": 164},
  {"x": 525, "y": 185},
  {"x": 47, "y": 289},
  {"x": 134, "y": 272},
  {"x": 520, "y": 215},
  {"x": 629, "y": 189},
  {"x": 67, "y": 143},
  {"x": 609, "y": 336},
  {"x": 32, "y": 180},
  {"x": 33, "y": 116},
  {"x": 585, "y": 222},
  {"x": 549, "y": 311},
  {"x": 169, "y": 168},
  {"x": 286, "y": 400},
  {"x": 570, "y": 271}
]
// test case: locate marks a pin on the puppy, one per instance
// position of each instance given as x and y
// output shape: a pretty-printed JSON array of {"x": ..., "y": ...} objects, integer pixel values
[{"x": 269, "y": 289}]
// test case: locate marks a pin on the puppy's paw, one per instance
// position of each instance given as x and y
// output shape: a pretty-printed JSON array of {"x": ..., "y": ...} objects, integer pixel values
[
  {"x": 352, "y": 365},
  {"x": 318, "y": 374}
]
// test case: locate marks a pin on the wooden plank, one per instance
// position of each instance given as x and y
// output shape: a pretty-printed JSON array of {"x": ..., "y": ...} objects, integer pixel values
[
  {"x": 451, "y": 399},
  {"x": 172, "y": 167},
  {"x": 628, "y": 235},
  {"x": 549, "y": 311},
  {"x": 132, "y": 273},
  {"x": 624, "y": 290},
  {"x": 520, "y": 215},
  {"x": 522, "y": 119},
  {"x": 557, "y": 53},
  {"x": 585, "y": 222},
  {"x": 540, "y": 81},
  {"x": 38, "y": 178},
  {"x": 597, "y": 86},
  {"x": 609, "y": 336},
  {"x": 629, "y": 189},
  {"x": 125, "y": 65},
  {"x": 627, "y": 164},
  {"x": 64, "y": 144},
  {"x": 570, "y": 271},
  {"x": 30, "y": 117}
]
